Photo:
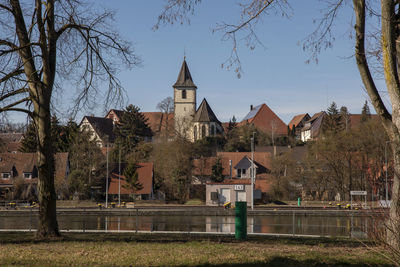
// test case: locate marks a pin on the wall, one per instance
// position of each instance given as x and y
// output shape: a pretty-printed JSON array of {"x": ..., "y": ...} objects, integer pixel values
[{"x": 217, "y": 188}]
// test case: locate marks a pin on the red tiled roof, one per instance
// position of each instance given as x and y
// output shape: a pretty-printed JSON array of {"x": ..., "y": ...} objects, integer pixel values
[
  {"x": 225, "y": 126},
  {"x": 157, "y": 121},
  {"x": 10, "y": 147},
  {"x": 355, "y": 119},
  {"x": 203, "y": 166},
  {"x": 265, "y": 120},
  {"x": 233, "y": 181},
  {"x": 11, "y": 137},
  {"x": 297, "y": 119},
  {"x": 145, "y": 176}
]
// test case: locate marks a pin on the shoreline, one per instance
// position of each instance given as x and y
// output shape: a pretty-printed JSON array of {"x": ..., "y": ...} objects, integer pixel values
[{"x": 184, "y": 210}]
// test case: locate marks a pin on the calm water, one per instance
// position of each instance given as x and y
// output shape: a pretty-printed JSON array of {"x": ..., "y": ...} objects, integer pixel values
[{"x": 278, "y": 224}]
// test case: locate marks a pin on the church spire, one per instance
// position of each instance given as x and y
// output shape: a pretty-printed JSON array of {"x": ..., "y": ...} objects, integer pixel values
[{"x": 184, "y": 77}]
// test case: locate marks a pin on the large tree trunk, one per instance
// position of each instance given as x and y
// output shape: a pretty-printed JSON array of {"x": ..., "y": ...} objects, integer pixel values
[
  {"x": 393, "y": 236},
  {"x": 48, "y": 225}
]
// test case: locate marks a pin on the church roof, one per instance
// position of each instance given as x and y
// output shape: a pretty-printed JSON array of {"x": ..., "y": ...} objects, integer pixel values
[
  {"x": 184, "y": 77},
  {"x": 204, "y": 113}
]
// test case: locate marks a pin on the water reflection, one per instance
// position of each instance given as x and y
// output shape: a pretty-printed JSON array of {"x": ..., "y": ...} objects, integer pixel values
[{"x": 354, "y": 226}]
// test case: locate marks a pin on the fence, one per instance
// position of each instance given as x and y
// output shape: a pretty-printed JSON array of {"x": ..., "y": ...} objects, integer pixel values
[{"x": 292, "y": 223}]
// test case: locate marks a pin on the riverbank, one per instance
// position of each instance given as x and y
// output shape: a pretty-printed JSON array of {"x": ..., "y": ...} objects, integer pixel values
[
  {"x": 185, "y": 250},
  {"x": 184, "y": 210}
]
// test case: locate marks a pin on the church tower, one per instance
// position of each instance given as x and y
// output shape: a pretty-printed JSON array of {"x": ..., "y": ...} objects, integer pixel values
[{"x": 184, "y": 101}]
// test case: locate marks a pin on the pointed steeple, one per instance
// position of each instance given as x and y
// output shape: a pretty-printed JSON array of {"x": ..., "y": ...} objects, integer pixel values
[
  {"x": 204, "y": 113},
  {"x": 184, "y": 77}
]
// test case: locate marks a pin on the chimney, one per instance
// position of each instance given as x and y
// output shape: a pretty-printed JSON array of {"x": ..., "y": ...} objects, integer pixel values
[{"x": 251, "y": 107}]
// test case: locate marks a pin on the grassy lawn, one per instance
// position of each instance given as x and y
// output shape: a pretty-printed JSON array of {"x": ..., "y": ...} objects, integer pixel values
[{"x": 122, "y": 250}]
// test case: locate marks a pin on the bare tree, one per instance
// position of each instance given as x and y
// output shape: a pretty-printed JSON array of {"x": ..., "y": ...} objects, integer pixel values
[
  {"x": 43, "y": 45},
  {"x": 166, "y": 106}
]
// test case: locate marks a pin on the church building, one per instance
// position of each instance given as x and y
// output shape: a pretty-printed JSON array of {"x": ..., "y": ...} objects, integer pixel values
[{"x": 192, "y": 123}]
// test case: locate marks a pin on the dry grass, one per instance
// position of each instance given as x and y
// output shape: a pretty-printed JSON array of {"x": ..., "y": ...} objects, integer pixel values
[{"x": 69, "y": 252}]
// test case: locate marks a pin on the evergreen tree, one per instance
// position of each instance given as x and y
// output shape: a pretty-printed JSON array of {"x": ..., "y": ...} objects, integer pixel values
[
  {"x": 62, "y": 136},
  {"x": 132, "y": 178},
  {"x": 365, "y": 113},
  {"x": 131, "y": 129},
  {"x": 29, "y": 142},
  {"x": 232, "y": 124},
  {"x": 87, "y": 165},
  {"x": 216, "y": 171},
  {"x": 332, "y": 123}
]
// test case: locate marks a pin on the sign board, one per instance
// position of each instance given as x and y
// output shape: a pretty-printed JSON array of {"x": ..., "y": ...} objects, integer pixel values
[
  {"x": 358, "y": 193},
  {"x": 384, "y": 203},
  {"x": 239, "y": 187}
]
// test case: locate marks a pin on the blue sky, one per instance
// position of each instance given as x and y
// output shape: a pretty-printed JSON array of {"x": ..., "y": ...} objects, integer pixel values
[{"x": 276, "y": 75}]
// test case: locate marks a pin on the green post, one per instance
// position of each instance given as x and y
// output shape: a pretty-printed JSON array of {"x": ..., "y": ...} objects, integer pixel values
[
  {"x": 240, "y": 220},
  {"x": 298, "y": 201}
]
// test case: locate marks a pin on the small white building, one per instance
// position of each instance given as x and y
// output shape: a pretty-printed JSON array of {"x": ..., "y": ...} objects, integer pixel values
[{"x": 230, "y": 190}]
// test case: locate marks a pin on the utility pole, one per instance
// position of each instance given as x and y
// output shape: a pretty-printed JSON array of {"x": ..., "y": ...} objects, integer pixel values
[
  {"x": 107, "y": 176},
  {"x": 252, "y": 172},
  {"x": 119, "y": 178}
]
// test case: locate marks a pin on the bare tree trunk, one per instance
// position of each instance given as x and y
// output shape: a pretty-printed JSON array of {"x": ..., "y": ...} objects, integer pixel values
[
  {"x": 48, "y": 225},
  {"x": 393, "y": 236}
]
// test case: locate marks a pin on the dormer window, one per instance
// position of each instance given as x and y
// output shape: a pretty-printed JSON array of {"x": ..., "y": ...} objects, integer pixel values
[
  {"x": 6, "y": 175},
  {"x": 241, "y": 173},
  {"x": 183, "y": 94},
  {"x": 27, "y": 175}
]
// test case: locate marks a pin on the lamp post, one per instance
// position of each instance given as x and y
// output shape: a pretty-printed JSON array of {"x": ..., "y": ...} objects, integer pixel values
[
  {"x": 107, "y": 176},
  {"x": 119, "y": 178},
  {"x": 252, "y": 172}
]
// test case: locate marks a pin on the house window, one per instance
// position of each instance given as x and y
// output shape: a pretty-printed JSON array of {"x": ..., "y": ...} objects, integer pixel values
[
  {"x": 203, "y": 131},
  {"x": 195, "y": 132},
  {"x": 6, "y": 175},
  {"x": 183, "y": 94},
  {"x": 27, "y": 175},
  {"x": 212, "y": 130}
]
